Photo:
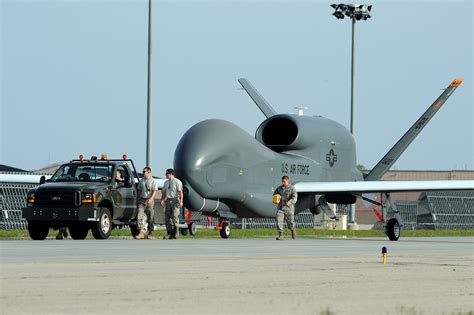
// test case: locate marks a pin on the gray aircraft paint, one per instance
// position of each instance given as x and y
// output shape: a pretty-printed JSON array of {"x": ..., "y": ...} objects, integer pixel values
[
  {"x": 228, "y": 173},
  {"x": 238, "y": 173}
]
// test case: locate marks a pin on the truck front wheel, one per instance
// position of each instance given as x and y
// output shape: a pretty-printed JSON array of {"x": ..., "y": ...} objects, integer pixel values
[
  {"x": 79, "y": 231},
  {"x": 102, "y": 228},
  {"x": 38, "y": 230}
]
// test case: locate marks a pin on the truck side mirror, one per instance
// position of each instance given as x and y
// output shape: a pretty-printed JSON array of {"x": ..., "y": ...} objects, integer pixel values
[{"x": 42, "y": 180}]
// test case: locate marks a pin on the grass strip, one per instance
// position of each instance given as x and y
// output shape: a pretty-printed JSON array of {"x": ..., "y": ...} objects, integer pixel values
[{"x": 258, "y": 233}]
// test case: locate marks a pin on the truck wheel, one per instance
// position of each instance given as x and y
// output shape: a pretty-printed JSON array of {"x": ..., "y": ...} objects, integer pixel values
[
  {"x": 192, "y": 229},
  {"x": 183, "y": 231},
  {"x": 134, "y": 230},
  {"x": 78, "y": 231},
  {"x": 393, "y": 229},
  {"x": 102, "y": 229},
  {"x": 38, "y": 230},
  {"x": 225, "y": 231}
]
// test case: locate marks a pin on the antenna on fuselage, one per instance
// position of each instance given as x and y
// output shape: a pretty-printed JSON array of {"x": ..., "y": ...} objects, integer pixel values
[
  {"x": 258, "y": 99},
  {"x": 300, "y": 110}
]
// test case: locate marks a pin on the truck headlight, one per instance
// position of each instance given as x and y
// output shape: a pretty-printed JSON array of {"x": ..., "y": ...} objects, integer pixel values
[
  {"x": 88, "y": 198},
  {"x": 30, "y": 198}
]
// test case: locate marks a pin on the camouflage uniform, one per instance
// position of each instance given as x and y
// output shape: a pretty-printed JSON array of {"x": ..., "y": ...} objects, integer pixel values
[
  {"x": 62, "y": 233},
  {"x": 170, "y": 191},
  {"x": 288, "y": 194},
  {"x": 146, "y": 211}
]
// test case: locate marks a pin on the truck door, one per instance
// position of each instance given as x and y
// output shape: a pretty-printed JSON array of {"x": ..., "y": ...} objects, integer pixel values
[{"x": 128, "y": 193}]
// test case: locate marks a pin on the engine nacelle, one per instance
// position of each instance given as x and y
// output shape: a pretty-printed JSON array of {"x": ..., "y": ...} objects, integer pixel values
[{"x": 292, "y": 132}]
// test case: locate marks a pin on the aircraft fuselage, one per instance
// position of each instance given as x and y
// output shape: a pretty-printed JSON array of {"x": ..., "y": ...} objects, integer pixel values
[{"x": 228, "y": 173}]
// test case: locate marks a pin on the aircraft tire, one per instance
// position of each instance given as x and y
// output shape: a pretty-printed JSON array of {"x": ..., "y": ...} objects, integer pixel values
[
  {"x": 183, "y": 231},
  {"x": 192, "y": 229},
  {"x": 102, "y": 229},
  {"x": 393, "y": 229},
  {"x": 38, "y": 230},
  {"x": 225, "y": 231}
]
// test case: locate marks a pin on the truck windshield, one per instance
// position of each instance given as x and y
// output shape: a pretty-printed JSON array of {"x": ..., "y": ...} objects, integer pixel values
[{"x": 83, "y": 173}]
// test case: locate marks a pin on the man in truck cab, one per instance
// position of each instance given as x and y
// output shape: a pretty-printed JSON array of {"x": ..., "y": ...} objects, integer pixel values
[{"x": 147, "y": 191}]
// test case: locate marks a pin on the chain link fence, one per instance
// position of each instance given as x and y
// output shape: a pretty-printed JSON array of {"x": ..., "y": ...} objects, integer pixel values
[
  {"x": 434, "y": 210},
  {"x": 12, "y": 200}
]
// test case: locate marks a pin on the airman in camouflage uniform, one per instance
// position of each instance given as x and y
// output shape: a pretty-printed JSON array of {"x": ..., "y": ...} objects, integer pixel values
[
  {"x": 147, "y": 191},
  {"x": 172, "y": 200},
  {"x": 286, "y": 207}
]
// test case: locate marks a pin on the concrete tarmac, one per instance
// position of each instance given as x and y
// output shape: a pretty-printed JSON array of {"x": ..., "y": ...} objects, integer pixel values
[{"x": 258, "y": 276}]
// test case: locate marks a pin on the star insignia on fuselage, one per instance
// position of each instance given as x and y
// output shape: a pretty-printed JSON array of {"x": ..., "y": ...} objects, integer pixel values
[{"x": 331, "y": 157}]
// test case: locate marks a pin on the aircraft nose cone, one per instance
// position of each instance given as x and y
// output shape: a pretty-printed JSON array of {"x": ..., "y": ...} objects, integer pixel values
[
  {"x": 211, "y": 154},
  {"x": 217, "y": 141}
]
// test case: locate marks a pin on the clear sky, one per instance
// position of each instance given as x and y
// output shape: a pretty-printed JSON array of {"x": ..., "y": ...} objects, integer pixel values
[{"x": 73, "y": 75}]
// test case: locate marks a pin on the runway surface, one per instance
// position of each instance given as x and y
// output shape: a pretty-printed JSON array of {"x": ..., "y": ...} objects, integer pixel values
[{"x": 307, "y": 276}]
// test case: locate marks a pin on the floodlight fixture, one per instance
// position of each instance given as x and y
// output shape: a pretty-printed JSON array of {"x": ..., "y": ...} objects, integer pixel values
[{"x": 355, "y": 12}]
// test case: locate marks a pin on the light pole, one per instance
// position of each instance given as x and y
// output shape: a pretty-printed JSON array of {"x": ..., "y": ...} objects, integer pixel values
[
  {"x": 148, "y": 93},
  {"x": 356, "y": 12}
]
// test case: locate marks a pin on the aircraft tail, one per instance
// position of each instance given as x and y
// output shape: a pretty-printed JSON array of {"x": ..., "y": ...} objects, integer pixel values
[
  {"x": 266, "y": 109},
  {"x": 394, "y": 153}
]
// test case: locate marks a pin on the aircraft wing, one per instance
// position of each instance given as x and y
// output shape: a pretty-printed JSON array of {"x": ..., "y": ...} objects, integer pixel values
[
  {"x": 160, "y": 182},
  {"x": 383, "y": 186}
]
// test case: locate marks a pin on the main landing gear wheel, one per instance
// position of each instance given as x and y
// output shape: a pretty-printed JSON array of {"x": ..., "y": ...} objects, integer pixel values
[
  {"x": 393, "y": 229},
  {"x": 102, "y": 229},
  {"x": 183, "y": 231},
  {"x": 38, "y": 230},
  {"x": 225, "y": 231},
  {"x": 192, "y": 229}
]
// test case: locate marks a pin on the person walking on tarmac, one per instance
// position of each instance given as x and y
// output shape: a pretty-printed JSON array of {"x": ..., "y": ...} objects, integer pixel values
[
  {"x": 62, "y": 233},
  {"x": 285, "y": 196},
  {"x": 147, "y": 190},
  {"x": 172, "y": 200}
]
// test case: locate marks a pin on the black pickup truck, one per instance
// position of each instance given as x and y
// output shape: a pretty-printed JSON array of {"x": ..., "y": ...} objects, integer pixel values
[{"x": 83, "y": 195}]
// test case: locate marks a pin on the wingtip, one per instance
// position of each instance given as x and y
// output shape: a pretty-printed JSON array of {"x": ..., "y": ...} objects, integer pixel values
[{"x": 457, "y": 82}]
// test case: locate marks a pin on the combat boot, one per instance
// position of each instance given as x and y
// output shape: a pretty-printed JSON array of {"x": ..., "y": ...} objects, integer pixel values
[
  {"x": 280, "y": 236},
  {"x": 176, "y": 233},
  {"x": 149, "y": 235},
  {"x": 168, "y": 236},
  {"x": 293, "y": 234},
  {"x": 140, "y": 236}
]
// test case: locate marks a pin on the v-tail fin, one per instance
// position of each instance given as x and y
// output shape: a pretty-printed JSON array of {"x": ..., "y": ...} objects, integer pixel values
[
  {"x": 266, "y": 109},
  {"x": 394, "y": 153}
]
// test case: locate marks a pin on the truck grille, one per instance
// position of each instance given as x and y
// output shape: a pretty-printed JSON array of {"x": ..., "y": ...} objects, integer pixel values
[{"x": 58, "y": 199}]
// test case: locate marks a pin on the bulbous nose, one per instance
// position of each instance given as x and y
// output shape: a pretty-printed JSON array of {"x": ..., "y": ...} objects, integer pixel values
[
  {"x": 216, "y": 141},
  {"x": 210, "y": 159}
]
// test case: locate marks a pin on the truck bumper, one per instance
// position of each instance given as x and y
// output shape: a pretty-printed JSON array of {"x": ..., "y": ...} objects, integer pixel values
[{"x": 59, "y": 214}]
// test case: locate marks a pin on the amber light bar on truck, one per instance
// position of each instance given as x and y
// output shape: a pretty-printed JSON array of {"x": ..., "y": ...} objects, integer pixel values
[{"x": 103, "y": 157}]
